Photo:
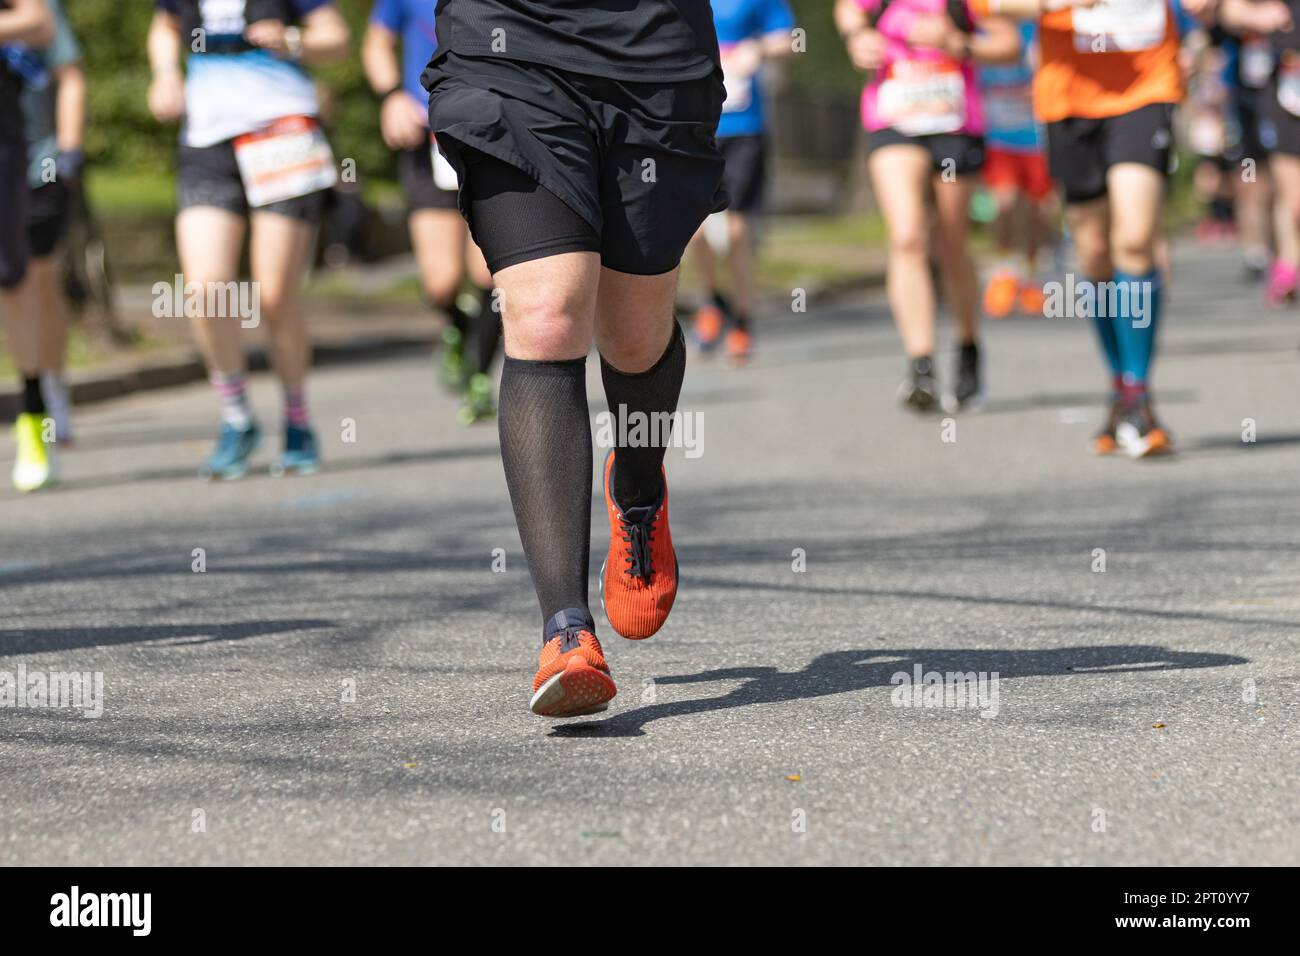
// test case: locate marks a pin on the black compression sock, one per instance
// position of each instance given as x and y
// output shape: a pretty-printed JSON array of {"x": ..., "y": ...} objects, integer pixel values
[
  {"x": 652, "y": 397},
  {"x": 723, "y": 303},
  {"x": 489, "y": 332},
  {"x": 33, "y": 400},
  {"x": 546, "y": 449},
  {"x": 741, "y": 321},
  {"x": 456, "y": 315}
]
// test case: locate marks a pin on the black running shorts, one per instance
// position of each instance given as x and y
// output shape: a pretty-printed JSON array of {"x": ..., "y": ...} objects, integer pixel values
[
  {"x": 13, "y": 210},
  {"x": 415, "y": 170},
  {"x": 1279, "y": 128},
  {"x": 1247, "y": 140},
  {"x": 47, "y": 218},
  {"x": 959, "y": 153},
  {"x": 636, "y": 161},
  {"x": 745, "y": 177},
  {"x": 1080, "y": 152},
  {"x": 209, "y": 176}
]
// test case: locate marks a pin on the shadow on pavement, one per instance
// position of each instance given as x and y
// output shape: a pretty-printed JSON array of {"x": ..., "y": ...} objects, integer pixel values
[
  {"x": 1225, "y": 443},
  {"x": 1028, "y": 403},
  {"x": 331, "y": 466},
  {"x": 841, "y": 672},
  {"x": 37, "y": 640}
]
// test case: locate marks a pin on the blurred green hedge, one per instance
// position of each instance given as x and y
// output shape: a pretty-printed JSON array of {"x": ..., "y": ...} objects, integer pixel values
[
  {"x": 824, "y": 66},
  {"x": 122, "y": 135}
]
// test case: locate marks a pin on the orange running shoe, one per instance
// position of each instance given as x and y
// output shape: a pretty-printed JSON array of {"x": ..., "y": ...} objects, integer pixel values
[
  {"x": 572, "y": 676},
  {"x": 1032, "y": 299},
  {"x": 638, "y": 582},
  {"x": 1000, "y": 294},
  {"x": 707, "y": 327},
  {"x": 1104, "y": 442},
  {"x": 739, "y": 345}
]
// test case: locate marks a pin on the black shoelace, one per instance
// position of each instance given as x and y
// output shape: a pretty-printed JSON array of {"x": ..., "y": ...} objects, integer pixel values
[{"x": 638, "y": 532}]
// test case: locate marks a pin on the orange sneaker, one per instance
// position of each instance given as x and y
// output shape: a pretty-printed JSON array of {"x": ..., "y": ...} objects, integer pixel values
[
  {"x": 638, "y": 582},
  {"x": 572, "y": 676},
  {"x": 1104, "y": 442},
  {"x": 1032, "y": 299},
  {"x": 1000, "y": 294},
  {"x": 739, "y": 345},
  {"x": 707, "y": 327}
]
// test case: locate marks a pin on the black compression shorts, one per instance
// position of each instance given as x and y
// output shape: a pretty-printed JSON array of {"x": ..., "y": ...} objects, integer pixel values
[{"x": 514, "y": 219}]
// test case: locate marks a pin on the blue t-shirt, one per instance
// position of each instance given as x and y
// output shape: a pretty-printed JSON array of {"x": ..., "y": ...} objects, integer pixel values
[
  {"x": 1007, "y": 95},
  {"x": 735, "y": 21},
  {"x": 413, "y": 21},
  {"x": 228, "y": 94}
]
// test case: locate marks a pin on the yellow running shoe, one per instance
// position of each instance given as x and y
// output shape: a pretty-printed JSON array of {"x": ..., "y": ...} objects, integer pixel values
[{"x": 34, "y": 467}]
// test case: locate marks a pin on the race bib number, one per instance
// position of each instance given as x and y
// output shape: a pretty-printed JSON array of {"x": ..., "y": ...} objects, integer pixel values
[
  {"x": 288, "y": 159},
  {"x": 1207, "y": 134},
  {"x": 1256, "y": 62},
  {"x": 1288, "y": 84},
  {"x": 1009, "y": 107},
  {"x": 444, "y": 174},
  {"x": 922, "y": 99},
  {"x": 1123, "y": 26},
  {"x": 740, "y": 93}
]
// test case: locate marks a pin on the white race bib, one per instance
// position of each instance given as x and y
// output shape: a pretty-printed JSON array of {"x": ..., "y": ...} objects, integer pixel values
[
  {"x": 1008, "y": 107},
  {"x": 1120, "y": 26},
  {"x": 740, "y": 92},
  {"x": 1206, "y": 132},
  {"x": 285, "y": 160},
  {"x": 923, "y": 99},
  {"x": 444, "y": 174},
  {"x": 1288, "y": 84},
  {"x": 1256, "y": 62}
]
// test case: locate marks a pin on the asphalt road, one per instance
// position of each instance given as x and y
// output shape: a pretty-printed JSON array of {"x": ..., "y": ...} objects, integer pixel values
[{"x": 347, "y": 681}]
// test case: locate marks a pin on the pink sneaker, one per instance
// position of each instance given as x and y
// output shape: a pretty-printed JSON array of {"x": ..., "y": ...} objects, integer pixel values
[{"x": 1283, "y": 280}]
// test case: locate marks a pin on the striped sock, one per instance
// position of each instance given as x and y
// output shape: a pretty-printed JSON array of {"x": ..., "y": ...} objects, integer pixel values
[
  {"x": 295, "y": 406},
  {"x": 232, "y": 390}
]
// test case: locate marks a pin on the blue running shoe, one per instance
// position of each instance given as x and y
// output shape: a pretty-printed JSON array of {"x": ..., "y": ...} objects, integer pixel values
[
  {"x": 300, "y": 455},
  {"x": 229, "y": 459}
]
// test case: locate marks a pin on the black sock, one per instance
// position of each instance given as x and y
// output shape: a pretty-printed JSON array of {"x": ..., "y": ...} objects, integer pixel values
[
  {"x": 546, "y": 449},
  {"x": 741, "y": 321},
  {"x": 456, "y": 315},
  {"x": 722, "y": 303},
  {"x": 489, "y": 332},
  {"x": 33, "y": 400},
  {"x": 652, "y": 393}
]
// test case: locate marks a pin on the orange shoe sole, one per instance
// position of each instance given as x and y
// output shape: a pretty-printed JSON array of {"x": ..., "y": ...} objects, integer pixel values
[
  {"x": 577, "y": 690},
  {"x": 1104, "y": 445}
]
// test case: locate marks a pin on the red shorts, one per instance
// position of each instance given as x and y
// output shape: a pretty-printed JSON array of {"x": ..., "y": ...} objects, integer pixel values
[{"x": 1026, "y": 172}]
